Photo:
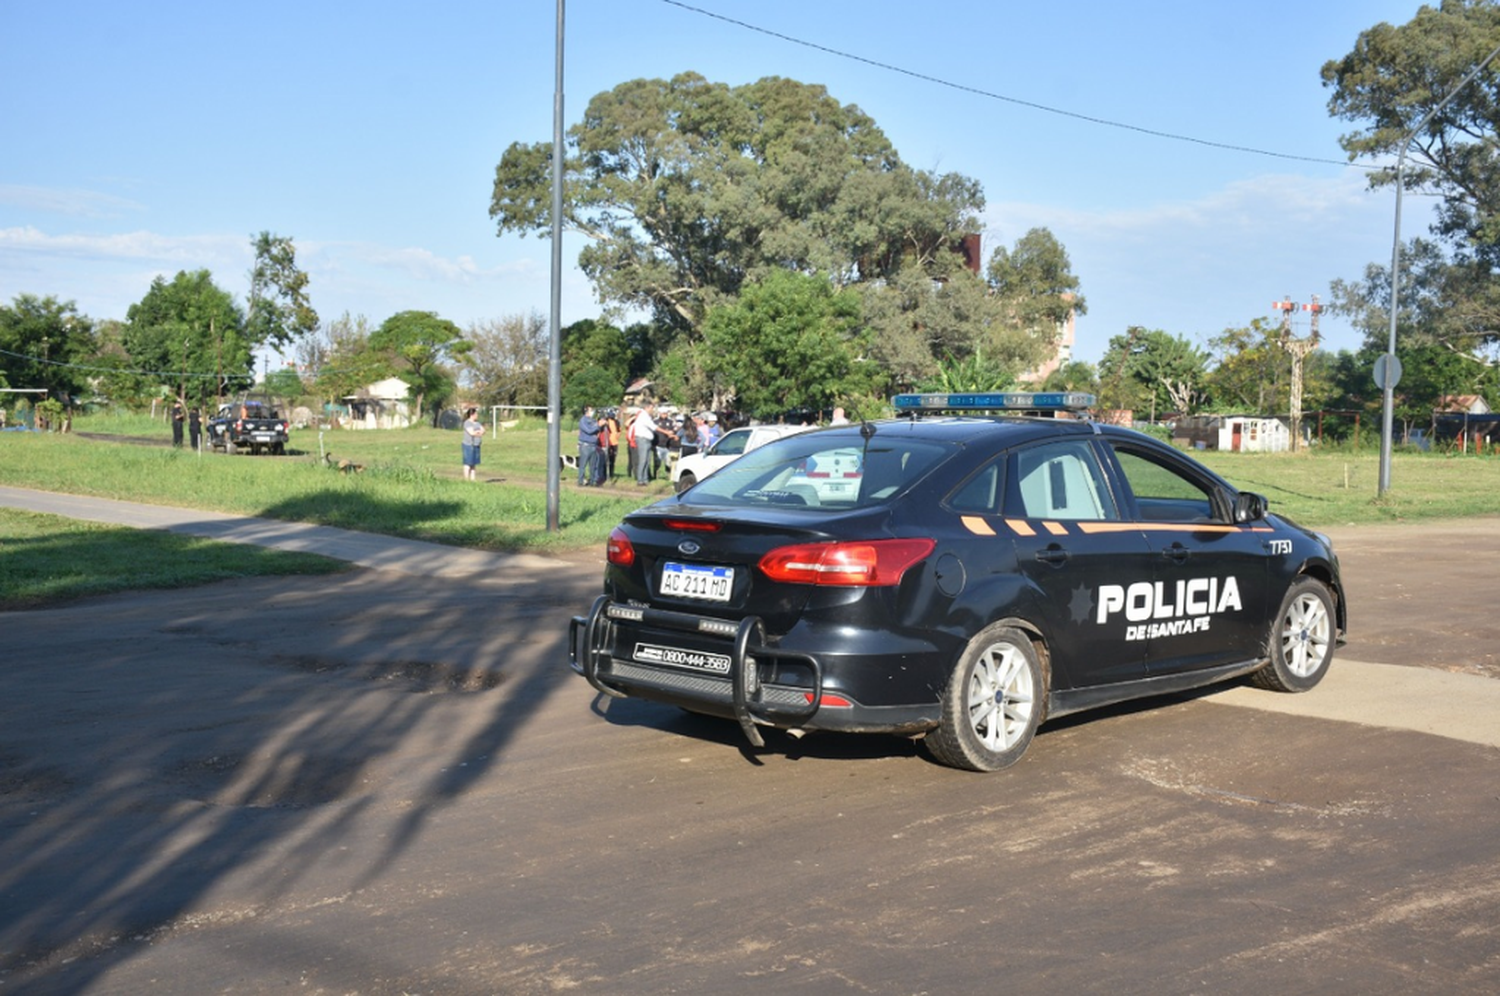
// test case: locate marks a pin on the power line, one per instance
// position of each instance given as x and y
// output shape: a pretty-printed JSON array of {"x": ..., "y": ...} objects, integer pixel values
[
  {"x": 925, "y": 77},
  {"x": 120, "y": 370}
]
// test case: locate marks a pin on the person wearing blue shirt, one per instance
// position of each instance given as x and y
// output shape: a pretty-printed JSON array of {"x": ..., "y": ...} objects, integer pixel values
[{"x": 588, "y": 447}]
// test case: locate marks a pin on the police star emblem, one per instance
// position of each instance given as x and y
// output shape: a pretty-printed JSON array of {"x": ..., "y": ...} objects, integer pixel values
[{"x": 1082, "y": 604}]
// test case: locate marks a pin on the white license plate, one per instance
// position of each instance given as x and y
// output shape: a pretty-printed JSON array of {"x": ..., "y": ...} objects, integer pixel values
[{"x": 712, "y": 584}]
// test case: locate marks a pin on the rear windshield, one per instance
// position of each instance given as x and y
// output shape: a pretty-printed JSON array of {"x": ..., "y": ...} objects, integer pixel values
[{"x": 822, "y": 470}]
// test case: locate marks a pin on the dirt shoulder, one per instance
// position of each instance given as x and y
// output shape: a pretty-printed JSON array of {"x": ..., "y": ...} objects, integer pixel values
[{"x": 1423, "y": 593}]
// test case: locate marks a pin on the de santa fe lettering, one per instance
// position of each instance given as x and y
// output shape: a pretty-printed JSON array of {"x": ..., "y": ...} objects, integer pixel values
[{"x": 1160, "y": 608}]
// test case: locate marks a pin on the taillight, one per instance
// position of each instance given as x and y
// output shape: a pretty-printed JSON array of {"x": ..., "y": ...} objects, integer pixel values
[
  {"x": 619, "y": 550},
  {"x": 868, "y": 563},
  {"x": 692, "y": 525}
]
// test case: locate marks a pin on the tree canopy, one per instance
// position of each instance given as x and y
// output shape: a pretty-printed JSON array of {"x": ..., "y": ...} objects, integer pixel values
[
  {"x": 508, "y": 362},
  {"x": 1393, "y": 77},
  {"x": 279, "y": 310},
  {"x": 189, "y": 334},
  {"x": 792, "y": 341},
  {"x": 1036, "y": 281},
  {"x": 691, "y": 194},
  {"x": 418, "y": 343},
  {"x": 1152, "y": 372},
  {"x": 687, "y": 189},
  {"x": 341, "y": 360},
  {"x": 45, "y": 343}
]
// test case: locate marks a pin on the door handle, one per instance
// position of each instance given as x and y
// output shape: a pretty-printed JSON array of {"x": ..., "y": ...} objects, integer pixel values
[
  {"x": 1054, "y": 555},
  {"x": 1177, "y": 553}
]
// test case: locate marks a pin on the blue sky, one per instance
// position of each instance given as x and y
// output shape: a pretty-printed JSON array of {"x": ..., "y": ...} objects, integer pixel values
[{"x": 143, "y": 139}]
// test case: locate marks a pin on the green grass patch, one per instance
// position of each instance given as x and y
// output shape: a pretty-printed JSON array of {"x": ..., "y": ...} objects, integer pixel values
[
  {"x": 1340, "y": 488},
  {"x": 49, "y": 558},
  {"x": 410, "y": 483}
]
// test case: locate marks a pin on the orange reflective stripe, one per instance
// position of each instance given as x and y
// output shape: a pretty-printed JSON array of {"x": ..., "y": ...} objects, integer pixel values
[{"x": 977, "y": 526}]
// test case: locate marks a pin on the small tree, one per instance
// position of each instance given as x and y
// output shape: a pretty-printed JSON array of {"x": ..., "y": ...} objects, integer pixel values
[
  {"x": 45, "y": 342},
  {"x": 417, "y": 343},
  {"x": 974, "y": 374},
  {"x": 791, "y": 342},
  {"x": 508, "y": 362},
  {"x": 280, "y": 312},
  {"x": 190, "y": 334}
]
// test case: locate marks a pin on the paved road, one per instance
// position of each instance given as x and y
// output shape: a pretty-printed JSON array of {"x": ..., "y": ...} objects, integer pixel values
[
  {"x": 1359, "y": 694},
  {"x": 386, "y": 782}
]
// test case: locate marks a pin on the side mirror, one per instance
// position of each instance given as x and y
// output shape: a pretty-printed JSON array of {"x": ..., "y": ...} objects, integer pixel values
[{"x": 1250, "y": 507}]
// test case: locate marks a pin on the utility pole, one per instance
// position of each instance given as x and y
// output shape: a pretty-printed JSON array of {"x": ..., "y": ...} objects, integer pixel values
[
  {"x": 1388, "y": 369},
  {"x": 1299, "y": 348},
  {"x": 554, "y": 324}
]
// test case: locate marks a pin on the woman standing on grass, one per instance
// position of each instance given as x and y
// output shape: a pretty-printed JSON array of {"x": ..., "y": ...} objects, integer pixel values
[{"x": 473, "y": 437}]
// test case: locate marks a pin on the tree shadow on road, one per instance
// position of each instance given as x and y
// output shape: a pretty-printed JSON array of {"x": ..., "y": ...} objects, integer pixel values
[{"x": 158, "y": 749}]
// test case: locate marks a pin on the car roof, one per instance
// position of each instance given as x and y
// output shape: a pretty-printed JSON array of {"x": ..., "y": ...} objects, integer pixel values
[{"x": 1008, "y": 430}]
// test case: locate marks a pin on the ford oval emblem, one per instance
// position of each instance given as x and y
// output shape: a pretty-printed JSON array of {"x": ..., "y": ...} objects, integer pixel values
[{"x": 688, "y": 548}]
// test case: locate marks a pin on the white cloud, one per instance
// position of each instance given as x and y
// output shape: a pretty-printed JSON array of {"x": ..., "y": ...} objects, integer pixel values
[
  {"x": 75, "y": 203},
  {"x": 192, "y": 250},
  {"x": 417, "y": 263}
]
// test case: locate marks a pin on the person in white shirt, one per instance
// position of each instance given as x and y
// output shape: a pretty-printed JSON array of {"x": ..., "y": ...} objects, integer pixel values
[{"x": 644, "y": 429}]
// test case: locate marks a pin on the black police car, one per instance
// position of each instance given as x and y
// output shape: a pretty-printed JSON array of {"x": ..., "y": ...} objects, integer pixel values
[{"x": 956, "y": 576}]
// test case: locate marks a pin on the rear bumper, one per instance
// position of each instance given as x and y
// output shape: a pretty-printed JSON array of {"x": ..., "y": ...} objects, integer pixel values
[{"x": 740, "y": 676}]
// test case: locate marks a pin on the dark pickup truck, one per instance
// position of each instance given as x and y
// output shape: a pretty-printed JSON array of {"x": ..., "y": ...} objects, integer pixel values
[{"x": 248, "y": 425}]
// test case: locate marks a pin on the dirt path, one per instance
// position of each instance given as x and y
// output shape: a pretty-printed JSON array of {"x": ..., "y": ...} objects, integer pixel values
[{"x": 1424, "y": 593}]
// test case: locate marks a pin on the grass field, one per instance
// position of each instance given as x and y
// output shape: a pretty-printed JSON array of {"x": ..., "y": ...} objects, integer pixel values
[
  {"x": 48, "y": 558},
  {"x": 411, "y": 482},
  {"x": 411, "y": 485}
]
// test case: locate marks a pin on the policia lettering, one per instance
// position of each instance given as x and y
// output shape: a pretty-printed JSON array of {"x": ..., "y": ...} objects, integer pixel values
[{"x": 1163, "y": 609}]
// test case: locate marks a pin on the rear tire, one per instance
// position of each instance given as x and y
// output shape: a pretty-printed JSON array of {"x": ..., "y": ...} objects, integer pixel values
[
  {"x": 993, "y": 703},
  {"x": 1300, "y": 644}
]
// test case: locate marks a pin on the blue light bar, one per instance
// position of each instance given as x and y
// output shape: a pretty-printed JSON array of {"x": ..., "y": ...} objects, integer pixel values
[{"x": 1009, "y": 401}]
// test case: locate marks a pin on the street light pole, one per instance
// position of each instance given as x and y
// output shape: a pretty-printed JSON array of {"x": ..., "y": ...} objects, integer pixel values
[
  {"x": 1391, "y": 368},
  {"x": 554, "y": 336}
]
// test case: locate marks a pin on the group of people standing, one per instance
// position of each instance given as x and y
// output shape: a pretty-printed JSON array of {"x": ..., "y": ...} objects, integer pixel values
[
  {"x": 598, "y": 447},
  {"x": 648, "y": 442}
]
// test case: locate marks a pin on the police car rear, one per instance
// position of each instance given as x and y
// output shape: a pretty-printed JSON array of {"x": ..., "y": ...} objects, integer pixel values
[{"x": 958, "y": 575}]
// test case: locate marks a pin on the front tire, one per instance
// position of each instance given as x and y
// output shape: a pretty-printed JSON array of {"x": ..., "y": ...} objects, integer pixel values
[
  {"x": 993, "y": 703},
  {"x": 1301, "y": 639},
  {"x": 686, "y": 481}
]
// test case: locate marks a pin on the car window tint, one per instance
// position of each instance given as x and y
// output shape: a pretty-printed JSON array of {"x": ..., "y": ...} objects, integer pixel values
[
  {"x": 732, "y": 444},
  {"x": 822, "y": 471},
  {"x": 1060, "y": 480},
  {"x": 1164, "y": 493},
  {"x": 980, "y": 493}
]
